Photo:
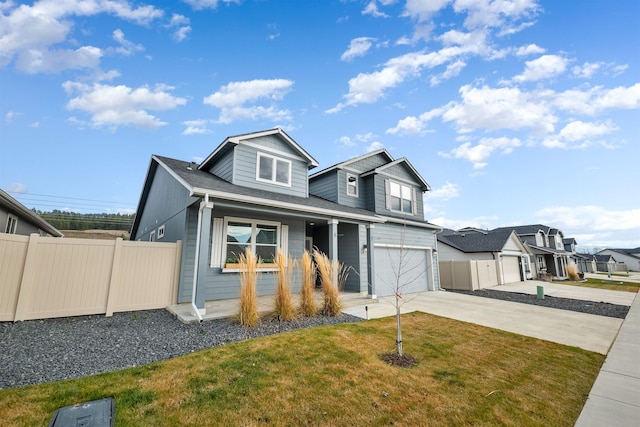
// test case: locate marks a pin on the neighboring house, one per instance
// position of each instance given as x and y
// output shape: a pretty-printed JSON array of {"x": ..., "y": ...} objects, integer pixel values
[
  {"x": 253, "y": 191},
  {"x": 605, "y": 263},
  {"x": 584, "y": 262},
  {"x": 547, "y": 246},
  {"x": 630, "y": 257},
  {"x": 503, "y": 246},
  {"x": 15, "y": 218}
]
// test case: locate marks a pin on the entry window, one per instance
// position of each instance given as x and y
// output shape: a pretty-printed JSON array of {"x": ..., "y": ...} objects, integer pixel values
[
  {"x": 260, "y": 237},
  {"x": 401, "y": 197},
  {"x": 352, "y": 185},
  {"x": 273, "y": 170},
  {"x": 541, "y": 264},
  {"x": 12, "y": 225}
]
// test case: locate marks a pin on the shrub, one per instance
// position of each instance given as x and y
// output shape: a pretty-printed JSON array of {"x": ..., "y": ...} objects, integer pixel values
[
  {"x": 284, "y": 305},
  {"x": 248, "y": 268},
  {"x": 308, "y": 305},
  {"x": 329, "y": 273},
  {"x": 572, "y": 272}
]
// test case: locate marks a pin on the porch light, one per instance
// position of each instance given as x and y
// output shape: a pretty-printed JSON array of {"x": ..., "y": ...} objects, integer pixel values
[{"x": 364, "y": 249}]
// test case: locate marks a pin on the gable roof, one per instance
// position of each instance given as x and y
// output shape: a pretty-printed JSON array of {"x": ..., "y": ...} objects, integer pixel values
[
  {"x": 232, "y": 141},
  {"x": 200, "y": 183},
  {"x": 402, "y": 161},
  {"x": 27, "y": 214},
  {"x": 633, "y": 253},
  {"x": 526, "y": 230},
  {"x": 604, "y": 258},
  {"x": 493, "y": 241},
  {"x": 346, "y": 163}
]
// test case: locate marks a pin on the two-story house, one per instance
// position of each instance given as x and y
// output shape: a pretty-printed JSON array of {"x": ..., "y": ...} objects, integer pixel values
[
  {"x": 253, "y": 191},
  {"x": 547, "y": 246}
]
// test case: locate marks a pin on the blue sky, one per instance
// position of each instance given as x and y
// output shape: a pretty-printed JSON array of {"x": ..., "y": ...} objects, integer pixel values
[{"x": 515, "y": 112}]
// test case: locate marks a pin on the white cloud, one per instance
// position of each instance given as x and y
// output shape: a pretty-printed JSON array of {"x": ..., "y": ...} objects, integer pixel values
[
  {"x": 579, "y": 130},
  {"x": 530, "y": 49},
  {"x": 196, "y": 127},
  {"x": 482, "y": 222},
  {"x": 127, "y": 47},
  {"x": 497, "y": 13},
  {"x": 597, "y": 99},
  {"x": 121, "y": 105},
  {"x": 232, "y": 98},
  {"x": 591, "y": 218},
  {"x": 446, "y": 192},
  {"x": 16, "y": 187},
  {"x": 181, "y": 25},
  {"x": 208, "y": 4},
  {"x": 501, "y": 108},
  {"x": 29, "y": 32},
  {"x": 358, "y": 47},
  {"x": 372, "y": 9},
  {"x": 587, "y": 70},
  {"x": 412, "y": 125},
  {"x": 452, "y": 70},
  {"x": 544, "y": 67},
  {"x": 11, "y": 115},
  {"x": 424, "y": 10},
  {"x": 345, "y": 141},
  {"x": 479, "y": 153},
  {"x": 374, "y": 146}
]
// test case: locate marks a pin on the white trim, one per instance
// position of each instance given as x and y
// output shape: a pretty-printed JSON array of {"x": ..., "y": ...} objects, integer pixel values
[
  {"x": 356, "y": 184},
  {"x": 394, "y": 246},
  {"x": 284, "y": 239},
  {"x": 12, "y": 224},
  {"x": 254, "y": 223},
  {"x": 217, "y": 242},
  {"x": 274, "y": 169},
  {"x": 161, "y": 231}
]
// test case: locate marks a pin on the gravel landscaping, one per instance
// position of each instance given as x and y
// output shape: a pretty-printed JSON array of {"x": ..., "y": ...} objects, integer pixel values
[
  {"x": 39, "y": 351},
  {"x": 590, "y": 307}
]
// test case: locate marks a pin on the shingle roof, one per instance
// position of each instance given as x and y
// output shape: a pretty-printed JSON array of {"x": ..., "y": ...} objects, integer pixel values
[
  {"x": 523, "y": 230},
  {"x": 493, "y": 241}
]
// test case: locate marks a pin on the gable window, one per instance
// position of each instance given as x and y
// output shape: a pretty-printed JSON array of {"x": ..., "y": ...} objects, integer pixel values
[
  {"x": 273, "y": 170},
  {"x": 161, "y": 231},
  {"x": 352, "y": 185},
  {"x": 400, "y": 197},
  {"x": 12, "y": 225},
  {"x": 152, "y": 236},
  {"x": 261, "y": 237}
]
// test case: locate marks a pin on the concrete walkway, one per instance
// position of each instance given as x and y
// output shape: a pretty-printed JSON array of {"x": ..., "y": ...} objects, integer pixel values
[{"x": 615, "y": 397}]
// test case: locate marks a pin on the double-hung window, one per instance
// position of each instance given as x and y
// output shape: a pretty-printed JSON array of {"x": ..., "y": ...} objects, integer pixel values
[
  {"x": 401, "y": 197},
  {"x": 273, "y": 170},
  {"x": 352, "y": 185},
  {"x": 12, "y": 225},
  {"x": 261, "y": 237}
]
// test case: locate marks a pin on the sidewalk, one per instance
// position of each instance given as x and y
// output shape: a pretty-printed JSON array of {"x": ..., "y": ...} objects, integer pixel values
[{"x": 615, "y": 397}]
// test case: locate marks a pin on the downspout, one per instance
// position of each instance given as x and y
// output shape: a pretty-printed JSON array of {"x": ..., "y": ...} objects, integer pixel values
[{"x": 196, "y": 261}]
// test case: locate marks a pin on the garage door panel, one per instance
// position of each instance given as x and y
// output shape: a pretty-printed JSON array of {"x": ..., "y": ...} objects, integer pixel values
[
  {"x": 412, "y": 273},
  {"x": 511, "y": 269}
]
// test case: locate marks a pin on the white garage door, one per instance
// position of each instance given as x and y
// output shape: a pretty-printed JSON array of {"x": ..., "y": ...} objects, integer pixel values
[
  {"x": 413, "y": 275},
  {"x": 511, "y": 269}
]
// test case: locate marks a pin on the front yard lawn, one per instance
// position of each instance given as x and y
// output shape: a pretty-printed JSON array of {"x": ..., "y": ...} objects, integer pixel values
[
  {"x": 333, "y": 375},
  {"x": 610, "y": 284}
]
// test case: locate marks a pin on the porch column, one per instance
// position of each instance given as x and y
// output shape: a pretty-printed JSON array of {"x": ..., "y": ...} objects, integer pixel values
[
  {"x": 333, "y": 245},
  {"x": 203, "y": 253},
  {"x": 371, "y": 269}
]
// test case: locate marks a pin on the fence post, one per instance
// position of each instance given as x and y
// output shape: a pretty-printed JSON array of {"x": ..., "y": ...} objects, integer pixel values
[
  {"x": 114, "y": 281},
  {"x": 176, "y": 280},
  {"x": 30, "y": 265}
]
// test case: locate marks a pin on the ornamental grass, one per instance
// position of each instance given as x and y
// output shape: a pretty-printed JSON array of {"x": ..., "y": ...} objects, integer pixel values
[
  {"x": 308, "y": 306},
  {"x": 284, "y": 307},
  {"x": 248, "y": 269}
]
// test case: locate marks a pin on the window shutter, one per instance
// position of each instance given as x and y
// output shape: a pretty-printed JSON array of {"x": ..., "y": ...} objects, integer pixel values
[
  {"x": 387, "y": 194},
  {"x": 284, "y": 239},
  {"x": 217, "y": 242}
]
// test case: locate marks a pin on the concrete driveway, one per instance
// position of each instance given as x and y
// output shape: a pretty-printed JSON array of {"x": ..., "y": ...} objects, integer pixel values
[{"x": 586, "y": 331}]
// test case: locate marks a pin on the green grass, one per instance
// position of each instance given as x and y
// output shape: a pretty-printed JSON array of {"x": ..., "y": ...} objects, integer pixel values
[
  {"x": 610, "y": 284},
  {"x": 466, "y": 375}
]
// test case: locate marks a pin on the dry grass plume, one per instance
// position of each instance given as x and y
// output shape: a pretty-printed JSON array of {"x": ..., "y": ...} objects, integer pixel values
[
  {"x": 248, "y": 267},
  {"x": 308, "y": 305},
  {"x": 283, "y": 303}
]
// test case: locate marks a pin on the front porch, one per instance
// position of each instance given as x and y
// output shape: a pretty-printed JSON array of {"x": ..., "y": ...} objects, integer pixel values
[{"x": 228, "y": 308}]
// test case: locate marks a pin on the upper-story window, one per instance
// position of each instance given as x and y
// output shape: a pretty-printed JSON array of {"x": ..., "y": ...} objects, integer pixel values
[
  {"x": 273, "y": 169},
  {"x": 401, "y": 197},
  {"x": 352, "y": 185},
  {"x": 12, "y": 225}
]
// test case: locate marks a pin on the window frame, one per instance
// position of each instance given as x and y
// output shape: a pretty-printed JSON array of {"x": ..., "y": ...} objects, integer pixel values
[
  {"x": 412, "y": 198},
  {"x": 353, "y": 184},
  {"x": 11, "y": 226},
  {"x": 274, "y": 169},
  {"x": 252, "y": 242},
  {"x": 161, "y": 231}
]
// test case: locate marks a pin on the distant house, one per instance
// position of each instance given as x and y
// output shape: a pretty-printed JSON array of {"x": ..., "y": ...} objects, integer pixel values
[
  {"x": 605, "y": 263},
  {"x": 253, "y": 191},
  {"x": 585, "y": 262},
  {"x": 547, "y": 246},
  {"x": 503, "y": 246},
  {"x": 18, "y": 219},
  {"x": 629, "y": 257}
]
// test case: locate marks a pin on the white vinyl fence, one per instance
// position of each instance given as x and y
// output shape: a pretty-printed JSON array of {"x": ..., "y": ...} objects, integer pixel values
[
  {"x": 468, "y": 275},
  {"x": 44, "y": 277}
]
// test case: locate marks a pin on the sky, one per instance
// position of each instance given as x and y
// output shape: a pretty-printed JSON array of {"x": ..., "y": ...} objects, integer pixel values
[{"x": 515, "y": 112}]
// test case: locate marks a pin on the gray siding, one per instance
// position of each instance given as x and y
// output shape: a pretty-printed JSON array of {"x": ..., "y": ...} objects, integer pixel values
[
  {"x": 245, "y": 164},
  {"x": 325, "y": 186},
  {"x": 224, "y": 166},
  {"x": 344, "y": 198},
  {"x": 349, "y": 250},
  {"x": 381, "y": 201},
  {"x": 166, "y": 204},
  {"x": 218, "y": 285},
  {"x": 24, "y": 227}
]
